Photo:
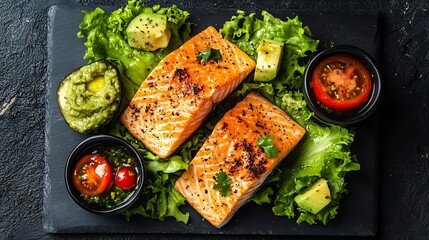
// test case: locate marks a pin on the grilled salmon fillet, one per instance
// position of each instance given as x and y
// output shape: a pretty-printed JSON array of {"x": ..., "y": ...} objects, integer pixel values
[
  {"x": 232, "y": 148},
  {"x": 181, "y": 91}
]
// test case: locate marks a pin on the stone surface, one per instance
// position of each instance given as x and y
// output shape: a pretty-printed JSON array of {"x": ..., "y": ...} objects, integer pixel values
[{"x": 404, "y": 148}]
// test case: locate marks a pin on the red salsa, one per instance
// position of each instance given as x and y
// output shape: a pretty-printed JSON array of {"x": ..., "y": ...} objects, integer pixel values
[
  {"x": 341, "y": 82},
  {"x": 96, "y": 176}
]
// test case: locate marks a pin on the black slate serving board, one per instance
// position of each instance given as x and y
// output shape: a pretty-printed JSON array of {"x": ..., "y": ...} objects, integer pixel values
[{"x": 358, "y": 212}]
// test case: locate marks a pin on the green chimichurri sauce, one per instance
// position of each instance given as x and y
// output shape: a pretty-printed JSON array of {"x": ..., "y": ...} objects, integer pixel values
[{"x": 117, "y": 156}]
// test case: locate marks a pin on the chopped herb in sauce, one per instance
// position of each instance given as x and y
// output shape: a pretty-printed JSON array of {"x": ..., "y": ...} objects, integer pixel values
[{"x": 118, "y": 157}]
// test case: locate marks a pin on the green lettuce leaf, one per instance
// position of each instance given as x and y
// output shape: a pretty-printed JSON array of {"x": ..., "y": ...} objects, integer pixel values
[
  {"x": 324, "y": 152},
  {"x": 246, "y": 31}
]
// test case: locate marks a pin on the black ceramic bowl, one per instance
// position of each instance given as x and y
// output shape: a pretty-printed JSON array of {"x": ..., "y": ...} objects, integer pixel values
[
  {"x": 87, "y": 147},
  {"x": 347, "y": 117}
]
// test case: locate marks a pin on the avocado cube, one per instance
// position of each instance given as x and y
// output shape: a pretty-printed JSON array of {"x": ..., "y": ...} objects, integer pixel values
[
  {"x": 148, "y": 31},
  {"x": 269, "y": 58},
  {"x": 315, "y": 198}
]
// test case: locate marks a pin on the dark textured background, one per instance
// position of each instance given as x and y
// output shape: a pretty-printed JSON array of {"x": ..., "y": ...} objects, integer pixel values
[{"x": 404, "y": 145}]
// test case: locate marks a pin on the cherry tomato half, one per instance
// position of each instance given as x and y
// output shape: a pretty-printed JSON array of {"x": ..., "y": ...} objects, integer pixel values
[
  {"x": 126, "y": 177},
  {"x": 92, "y": 175},
  {"x": 341, "y": 82}
]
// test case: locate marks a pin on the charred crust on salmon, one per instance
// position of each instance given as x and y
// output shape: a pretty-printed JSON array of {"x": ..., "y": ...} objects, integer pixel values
[
  {"x": 236, "y": 165},
  {"x": 259, "y": 125},
  {"x": 196, "y": 89},
  {"x": 252, "y": 164},
  {"x": 181, "y": 73}
]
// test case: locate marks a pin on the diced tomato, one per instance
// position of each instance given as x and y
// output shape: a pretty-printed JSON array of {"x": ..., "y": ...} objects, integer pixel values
[
  {"x": 341, "y": 82},
  {"x": 92, "y": 175},
  {"x": 126, "y": 177}
]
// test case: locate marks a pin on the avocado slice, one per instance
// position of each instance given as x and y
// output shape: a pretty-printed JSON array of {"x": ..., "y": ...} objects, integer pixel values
[
  {"x": 149, "y": 31},
  {"x": 268, "y": 62},
  {"x": 315, "y": 198}
]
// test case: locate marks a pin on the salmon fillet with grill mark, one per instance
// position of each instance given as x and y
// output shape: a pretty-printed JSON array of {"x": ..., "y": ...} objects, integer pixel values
[
  {"x": 232, "y": 148},
  {"x": 181, "y": 91}
]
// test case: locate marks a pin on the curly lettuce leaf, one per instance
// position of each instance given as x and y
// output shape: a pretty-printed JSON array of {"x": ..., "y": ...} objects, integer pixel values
[
  {"x": 160, "y": 200},
  {"x": 264, "y": 195},
  {"x": 246, "y": 31},
  {"x": 325, "y": 153}
]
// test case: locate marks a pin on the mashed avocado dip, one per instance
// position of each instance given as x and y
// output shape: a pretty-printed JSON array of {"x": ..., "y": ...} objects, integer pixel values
[{"x": 89, "y": 97}]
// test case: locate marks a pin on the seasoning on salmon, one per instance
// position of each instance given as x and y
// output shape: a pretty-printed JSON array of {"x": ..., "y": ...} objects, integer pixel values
[
  {"x": 182, "y": 90},
  {"x": 233, "y": 148}
]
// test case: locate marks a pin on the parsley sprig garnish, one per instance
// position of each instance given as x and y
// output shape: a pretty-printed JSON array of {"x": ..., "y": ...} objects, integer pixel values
[
  {"x": 205, "y": 55},
  {"x": 223, "y": 184},
  {"x": 266, "y": 142}
]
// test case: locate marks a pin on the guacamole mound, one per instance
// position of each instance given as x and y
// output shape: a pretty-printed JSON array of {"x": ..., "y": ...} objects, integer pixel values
[{"x": 89, "y": 97}]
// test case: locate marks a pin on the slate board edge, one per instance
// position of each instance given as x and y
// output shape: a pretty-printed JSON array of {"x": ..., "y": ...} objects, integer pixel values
[{"x": 47, "y": 223}]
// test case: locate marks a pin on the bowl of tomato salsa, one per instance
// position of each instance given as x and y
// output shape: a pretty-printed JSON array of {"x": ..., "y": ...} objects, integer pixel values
[
  {"x": 342, "y": 85},
  {"x": 104, "y": 174}
]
